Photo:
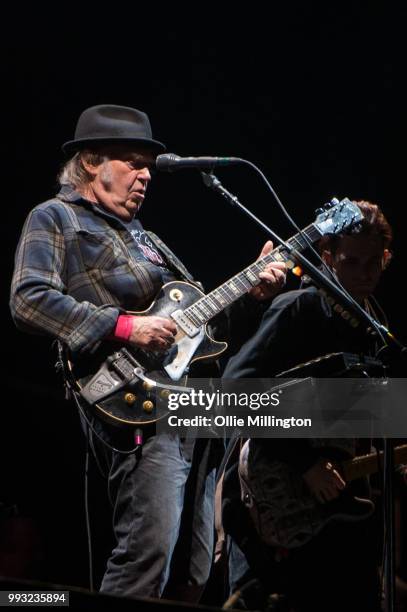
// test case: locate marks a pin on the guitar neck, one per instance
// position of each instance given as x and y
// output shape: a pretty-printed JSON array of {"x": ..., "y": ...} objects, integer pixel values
[
  {"x": 369, "y": 464},
  {"x": 217, "y": 300}
]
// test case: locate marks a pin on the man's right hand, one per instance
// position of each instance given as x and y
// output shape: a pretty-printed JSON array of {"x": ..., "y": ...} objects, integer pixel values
[
  {"x": 324, "y": 481},
  {"x": 152, "y": 333}
]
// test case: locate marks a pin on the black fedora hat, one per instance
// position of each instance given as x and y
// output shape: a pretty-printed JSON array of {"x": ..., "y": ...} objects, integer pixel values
[{"x": 109, "y": 124}]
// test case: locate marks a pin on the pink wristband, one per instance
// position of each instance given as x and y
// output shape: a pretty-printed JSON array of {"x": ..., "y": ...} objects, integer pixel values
[{"x": 123, "y": 327}]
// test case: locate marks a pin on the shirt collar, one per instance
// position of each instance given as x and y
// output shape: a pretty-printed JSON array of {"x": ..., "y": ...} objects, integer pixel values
[{"x": 69, "y": 194}]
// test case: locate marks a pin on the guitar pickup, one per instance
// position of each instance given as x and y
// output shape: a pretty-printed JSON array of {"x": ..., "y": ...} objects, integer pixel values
[{"x": 184, "y": 323}]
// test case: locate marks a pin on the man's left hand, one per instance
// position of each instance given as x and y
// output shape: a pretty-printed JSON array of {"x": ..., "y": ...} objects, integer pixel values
[{"x": 272, "y": 278}]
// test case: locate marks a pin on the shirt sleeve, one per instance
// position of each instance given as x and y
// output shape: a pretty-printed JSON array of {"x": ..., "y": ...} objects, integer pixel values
[
  {"x": 39, "y": 302},
  {"x": 263, "y": 354},
  {"x": 238, "y": 322}
]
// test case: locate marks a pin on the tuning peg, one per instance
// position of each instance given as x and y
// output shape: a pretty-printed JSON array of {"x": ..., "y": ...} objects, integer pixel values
[
  {"x": 319, "y": 211},
  {"x": 332, "y": 203}
]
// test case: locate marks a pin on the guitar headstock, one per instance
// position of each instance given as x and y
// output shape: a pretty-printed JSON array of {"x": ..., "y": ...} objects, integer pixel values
[{"x": 337, "y": 216}]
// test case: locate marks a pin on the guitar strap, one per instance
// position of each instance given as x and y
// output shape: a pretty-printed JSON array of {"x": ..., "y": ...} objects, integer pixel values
[{"x": 173, "y": 261}]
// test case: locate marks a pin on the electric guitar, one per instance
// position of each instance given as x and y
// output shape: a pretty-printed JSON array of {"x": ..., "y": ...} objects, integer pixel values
[
  {"x": 283, "y": 510},
  {"x": 129, "y": 386}
]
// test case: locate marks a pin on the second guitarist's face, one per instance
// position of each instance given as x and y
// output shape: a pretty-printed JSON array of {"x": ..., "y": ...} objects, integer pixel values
[
  {"x": 120, "y": 182},
  {"x": 358, "y": 263}
]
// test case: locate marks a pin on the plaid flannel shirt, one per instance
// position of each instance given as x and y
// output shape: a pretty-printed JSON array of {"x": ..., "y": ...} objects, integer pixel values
[{"x": 76, "y": 270}]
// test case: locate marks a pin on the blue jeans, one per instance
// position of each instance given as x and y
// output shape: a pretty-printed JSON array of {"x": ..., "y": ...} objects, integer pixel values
[{"x": 163, "y": 519}]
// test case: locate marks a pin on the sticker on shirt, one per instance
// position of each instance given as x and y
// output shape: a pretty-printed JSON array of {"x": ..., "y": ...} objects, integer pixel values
[{"x": 146, "y": 247}]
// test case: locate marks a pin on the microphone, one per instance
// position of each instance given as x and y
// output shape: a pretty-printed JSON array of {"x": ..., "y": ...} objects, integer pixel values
[{"x": 170, "y": 162}]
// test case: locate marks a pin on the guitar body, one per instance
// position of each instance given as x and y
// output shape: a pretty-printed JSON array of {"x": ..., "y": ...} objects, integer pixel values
[
  {"x": 282, "y": 508},
  {"x": 174, "y": 296},
  {"x": 139, "y": 402}
]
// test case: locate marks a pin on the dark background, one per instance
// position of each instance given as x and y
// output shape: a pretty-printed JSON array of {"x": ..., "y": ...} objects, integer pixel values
[{"x": 315, "y": 99}]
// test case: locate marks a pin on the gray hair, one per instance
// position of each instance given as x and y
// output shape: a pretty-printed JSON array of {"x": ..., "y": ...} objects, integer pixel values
[{"x": 74, "y": 173}]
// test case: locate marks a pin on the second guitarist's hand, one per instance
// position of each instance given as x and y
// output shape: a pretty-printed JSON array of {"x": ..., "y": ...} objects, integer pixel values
[
  {"x": 272, "y": 278},
  {"x": 324, "y": 481},
  {"x": 152, "y": 333}
]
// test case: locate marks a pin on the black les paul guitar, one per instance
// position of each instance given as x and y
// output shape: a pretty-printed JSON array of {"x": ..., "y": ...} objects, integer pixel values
[{"x": 129, "y": 386}]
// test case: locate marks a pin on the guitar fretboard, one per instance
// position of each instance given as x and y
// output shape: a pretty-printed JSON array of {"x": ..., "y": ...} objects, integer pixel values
[
  {"x": 369, "y": 464},
  {"x": 213, "y": 303}
]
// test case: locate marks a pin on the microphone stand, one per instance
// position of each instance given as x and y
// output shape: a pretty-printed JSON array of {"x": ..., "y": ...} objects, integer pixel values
[
  {"x": 211, "y": 181},
  {"x": 389, "y": 520}
]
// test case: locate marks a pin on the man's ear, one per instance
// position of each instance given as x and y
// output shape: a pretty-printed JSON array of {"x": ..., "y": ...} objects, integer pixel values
[
  {"x": 386, "y": 259},
  {"x": 91, "y": 169}
]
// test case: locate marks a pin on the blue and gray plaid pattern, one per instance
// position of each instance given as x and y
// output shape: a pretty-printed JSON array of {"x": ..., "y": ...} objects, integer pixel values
[{"x": 75, "y": 271}]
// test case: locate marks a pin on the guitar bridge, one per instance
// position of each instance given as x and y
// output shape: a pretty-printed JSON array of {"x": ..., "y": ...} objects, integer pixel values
[{"x": 123, "y": 364}]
